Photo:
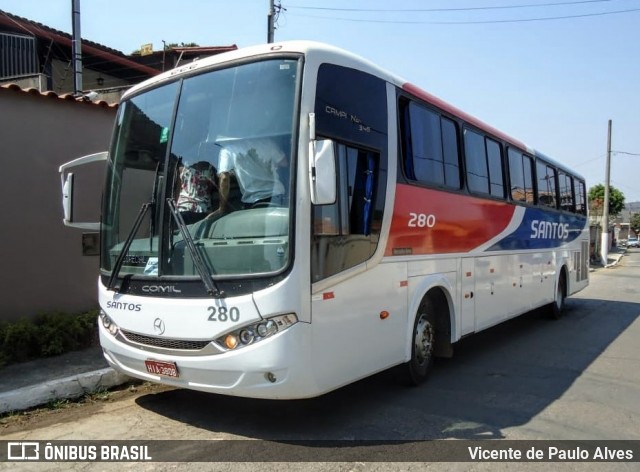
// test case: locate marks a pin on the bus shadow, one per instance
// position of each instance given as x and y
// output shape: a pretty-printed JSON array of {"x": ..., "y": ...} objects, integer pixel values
[{"x": 500, "y": 378}]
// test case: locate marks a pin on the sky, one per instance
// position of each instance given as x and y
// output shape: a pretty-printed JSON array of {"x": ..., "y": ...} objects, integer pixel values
[{"x": 550, "y": 73}]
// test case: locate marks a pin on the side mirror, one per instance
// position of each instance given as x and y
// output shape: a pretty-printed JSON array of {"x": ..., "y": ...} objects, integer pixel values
[
  {"x": 322, "y": 172},
  {"x": 67, "y": 189},
  {"x": 67, "y": 198}
]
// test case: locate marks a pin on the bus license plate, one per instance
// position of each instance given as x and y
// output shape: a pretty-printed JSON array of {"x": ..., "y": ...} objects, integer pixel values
[{"x": 167, "y": 369}]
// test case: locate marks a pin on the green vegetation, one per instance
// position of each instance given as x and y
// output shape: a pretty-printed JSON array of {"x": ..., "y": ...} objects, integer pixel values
[
  {"x": 170, "y": 46},
  {"x": 49, "y": 334},
  {"x": 596, "y": 200},
  {"x": 635, "y": 223},
  {"x": 57, "y": 404}
]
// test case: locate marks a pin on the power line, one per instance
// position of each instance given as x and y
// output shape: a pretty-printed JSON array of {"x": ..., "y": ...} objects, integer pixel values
[
  {"x": 590, "y": 160},
  {"x": 619, "y": 185},
  {"x": 413, "y": 10},
  {"x": 625, "y": 153},
  {"x": 603, "y": 156},
  {"x": 523, "y": 20}
]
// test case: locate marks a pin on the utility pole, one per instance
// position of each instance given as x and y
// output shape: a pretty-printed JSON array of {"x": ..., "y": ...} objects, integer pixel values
[
  {"x": 604, "y": 247},
  {"x": 76, "y": 48},
  {"x": 164, "y": 51},
  {"x": 270, "y": 22}
]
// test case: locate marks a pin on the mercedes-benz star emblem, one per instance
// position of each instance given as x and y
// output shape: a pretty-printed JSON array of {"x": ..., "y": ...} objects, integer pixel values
[{"x": 158, "y": 326}]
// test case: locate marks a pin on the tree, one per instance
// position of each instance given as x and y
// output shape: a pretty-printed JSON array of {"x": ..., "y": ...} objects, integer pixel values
[
  {"x": 172, "y": 45},
  {"x": 182, "y": 45},
  {"x": 616, "y": 199},
  {"x": 635, "y": 223}
]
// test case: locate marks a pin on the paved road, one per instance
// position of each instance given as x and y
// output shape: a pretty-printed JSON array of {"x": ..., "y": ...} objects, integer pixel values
[{"x": 530, "y": 378}]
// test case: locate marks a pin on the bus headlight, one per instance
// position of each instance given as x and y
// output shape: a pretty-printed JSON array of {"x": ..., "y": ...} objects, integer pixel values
[
  {"x": 256, "y": 332},
  {"x": 108, "y": 323},
  {"x": 246, "y": 336}
]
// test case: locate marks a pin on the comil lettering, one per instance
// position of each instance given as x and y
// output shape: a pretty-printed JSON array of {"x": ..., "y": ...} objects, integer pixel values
[
  {"x": 549, "y": 230},
  {"x": 160, "y": 289}
]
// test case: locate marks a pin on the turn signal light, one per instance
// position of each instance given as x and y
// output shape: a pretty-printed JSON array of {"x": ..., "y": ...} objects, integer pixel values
[{"x": 231, "y": 341}]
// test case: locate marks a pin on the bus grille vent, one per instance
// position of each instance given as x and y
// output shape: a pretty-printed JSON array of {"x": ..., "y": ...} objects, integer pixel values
[{"x": 164, "y": 343}]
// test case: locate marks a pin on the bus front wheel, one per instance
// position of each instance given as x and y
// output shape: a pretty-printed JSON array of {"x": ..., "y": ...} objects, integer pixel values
[{"x": 423, "y": 341}]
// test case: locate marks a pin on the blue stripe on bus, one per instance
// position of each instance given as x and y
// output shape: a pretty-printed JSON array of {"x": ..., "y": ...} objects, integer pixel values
[{"x": 541, "y": 229}]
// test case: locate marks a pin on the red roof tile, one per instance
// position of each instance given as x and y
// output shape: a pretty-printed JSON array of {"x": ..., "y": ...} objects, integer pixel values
[{"x": 50, "y": 94}]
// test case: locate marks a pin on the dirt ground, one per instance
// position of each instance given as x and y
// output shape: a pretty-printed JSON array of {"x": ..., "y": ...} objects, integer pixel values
[{"x": 64, "y": 411}]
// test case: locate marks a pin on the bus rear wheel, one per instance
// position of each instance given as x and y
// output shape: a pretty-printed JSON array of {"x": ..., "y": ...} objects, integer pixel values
[
  {"x": 557, "y": 306},
  {"x": 423, "y": 341}
]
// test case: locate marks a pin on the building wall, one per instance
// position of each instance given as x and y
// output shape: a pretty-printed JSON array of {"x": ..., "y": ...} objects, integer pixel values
[
  {"x": 36, "y": 81},
  {"x": 110, "y": 94},
  {"x": 42, "y": 267},
  {"x": 62, "y": 74}
]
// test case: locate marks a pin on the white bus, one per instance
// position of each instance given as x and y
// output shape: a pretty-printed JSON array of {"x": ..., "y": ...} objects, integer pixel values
[{"x": 401, "y": 225}]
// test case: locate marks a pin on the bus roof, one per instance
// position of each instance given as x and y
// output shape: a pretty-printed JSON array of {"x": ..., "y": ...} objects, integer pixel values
[{"x": 339, "y": 56}]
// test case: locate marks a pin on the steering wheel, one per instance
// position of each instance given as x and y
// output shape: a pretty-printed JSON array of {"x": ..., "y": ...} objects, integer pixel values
[{"x": 265, "y": 205}]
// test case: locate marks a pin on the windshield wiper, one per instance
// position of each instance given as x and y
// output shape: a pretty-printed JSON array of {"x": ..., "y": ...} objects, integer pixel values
[
  {"x": 202, "y": 269},
  {"x": 125, "y": 248}
]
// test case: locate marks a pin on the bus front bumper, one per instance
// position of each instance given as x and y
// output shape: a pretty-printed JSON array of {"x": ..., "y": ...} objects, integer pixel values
[{"x": 275, "y": 368}]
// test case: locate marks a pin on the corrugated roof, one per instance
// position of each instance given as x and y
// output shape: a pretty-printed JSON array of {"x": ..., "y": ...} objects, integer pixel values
[
  {"x": 36, "y": 29},
  {"x": 18, "y": 20},
  {"x": 204, "y": 49},
  {"x": 50, "y": 94}
]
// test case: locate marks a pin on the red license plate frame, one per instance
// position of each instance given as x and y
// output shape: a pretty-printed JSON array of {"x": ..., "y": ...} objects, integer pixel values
[{"x": 162, "y": 368}]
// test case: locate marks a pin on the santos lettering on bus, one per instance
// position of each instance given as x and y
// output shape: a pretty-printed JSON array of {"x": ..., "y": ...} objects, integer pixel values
[{"x": 549, "y": 230}]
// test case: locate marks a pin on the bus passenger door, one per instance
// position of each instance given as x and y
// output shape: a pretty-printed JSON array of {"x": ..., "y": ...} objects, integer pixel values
[
  {"x": 358, "y": 307},
  {"x": 467, "y": 297}
]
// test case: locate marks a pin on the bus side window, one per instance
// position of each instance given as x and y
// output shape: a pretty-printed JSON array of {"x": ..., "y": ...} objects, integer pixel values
[
  {"x": 476, "y": 162},
  {"x": 430, "y": 146},
  {"x": 565, "y": 190},
  {"x": 546, "y": 184},
  {"x": 516, "y": 175},
  {"x": 580, "y": 197},
  {"x": 483, "y": 159},
  {"x": 346, "y": 232},
  {"x": 527, "y": 163},
  {"x": 521, "y": 176},
  {"x": 494, "y": 161}
]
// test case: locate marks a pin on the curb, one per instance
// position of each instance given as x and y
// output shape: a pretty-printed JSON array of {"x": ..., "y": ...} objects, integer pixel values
[
  {"x": 615, "y": 257},
  {"x": 74, "y": 386}
]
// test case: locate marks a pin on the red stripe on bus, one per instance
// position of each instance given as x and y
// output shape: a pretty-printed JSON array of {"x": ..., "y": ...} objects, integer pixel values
[{"x": 428, "y": 221}]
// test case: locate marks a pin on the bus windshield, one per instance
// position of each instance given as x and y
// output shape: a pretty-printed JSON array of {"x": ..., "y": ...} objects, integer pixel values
[{"x": 200, "y": 175}]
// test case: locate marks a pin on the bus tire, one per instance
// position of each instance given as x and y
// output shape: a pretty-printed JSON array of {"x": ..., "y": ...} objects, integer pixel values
[
  {"x": 558, "y": 304},
  {"x": 423, "y": 341}
]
